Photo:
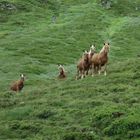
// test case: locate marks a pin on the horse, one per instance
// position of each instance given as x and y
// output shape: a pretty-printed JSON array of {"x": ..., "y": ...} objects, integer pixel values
[
  {"x": 62, "y": 73},
  {"x": 100, "y": 59},
  {"x": 91, "y": 52},
  {"x": 82, "y": 65},
  {"x": 18, "y": 85}
]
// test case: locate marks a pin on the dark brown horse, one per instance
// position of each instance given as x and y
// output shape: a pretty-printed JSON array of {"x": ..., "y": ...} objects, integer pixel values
[
  {"x": 18, "y": 85},
  {"x": 83, "y": 65},
  {"x": 100, "y": 59}
]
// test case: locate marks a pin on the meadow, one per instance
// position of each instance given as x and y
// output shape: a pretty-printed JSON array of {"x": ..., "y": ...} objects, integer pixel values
[{"x": 35, "y": 36}]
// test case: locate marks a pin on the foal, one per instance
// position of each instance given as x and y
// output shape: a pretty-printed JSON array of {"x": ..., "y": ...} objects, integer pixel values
[
  {"x": 82, "y": 66},
  {"x": 100, "y": 59},
  {"x": 61, "y": 72},
  {"x": 18, "y": 85}
]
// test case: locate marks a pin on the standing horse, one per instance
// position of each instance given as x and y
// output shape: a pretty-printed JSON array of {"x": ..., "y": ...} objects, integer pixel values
[
  {"x": 18, "y": 85},
  {"x": 100, "y": 59},
  {"x": 90, "y": 55},
  {"x": 82, "y": 66}
]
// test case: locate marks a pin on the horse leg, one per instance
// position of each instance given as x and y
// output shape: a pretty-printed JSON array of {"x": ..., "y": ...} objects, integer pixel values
[
  {"x": 92, "y": 70},
  {"x": 105, "y": 69},
  {"x": 86, "y": 72},
  {"x": 99, "y": 69},
  {"x": 82, "y": 75},
  {"x": 95, "y": 69}
]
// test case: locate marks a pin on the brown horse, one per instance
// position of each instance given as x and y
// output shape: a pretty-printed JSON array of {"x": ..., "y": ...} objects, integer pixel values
[
  {"x": 62, "y": 73},
  {"x": 18, "y": 85},
  {"x": 100, "y": 59},
  {"x": 83, "y": 65}
]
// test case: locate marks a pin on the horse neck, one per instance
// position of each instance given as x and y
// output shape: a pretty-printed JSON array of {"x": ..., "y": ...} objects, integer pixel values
[
  {"x": 22, "y": 80},
  {"x": 61, "y": 70},
  {"x": 92, "y": 53},
  {"x": 103, "y": 52},
  {"x": 86, "y": 60}
]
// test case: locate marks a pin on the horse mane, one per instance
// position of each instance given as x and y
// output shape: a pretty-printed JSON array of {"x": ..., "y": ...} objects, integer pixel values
[{"x": 102, "y": 50}]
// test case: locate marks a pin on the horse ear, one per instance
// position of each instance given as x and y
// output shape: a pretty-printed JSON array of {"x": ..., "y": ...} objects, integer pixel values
[
  {"x": 22, "y": 75},
  {"x": 93, "y": 46},
  {"x": 58, "y": 65}
]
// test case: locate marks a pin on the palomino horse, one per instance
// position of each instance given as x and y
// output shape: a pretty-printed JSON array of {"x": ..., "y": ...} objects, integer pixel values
[
  {"x": 82, "y": 66},
  {"x": 62, "y": 73},
  {"x": 90, "y": 55},
  {"x": 100, "y": 59}
]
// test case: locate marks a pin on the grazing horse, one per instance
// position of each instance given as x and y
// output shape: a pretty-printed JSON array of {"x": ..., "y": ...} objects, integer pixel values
[
  {"x": 100, "y": 59},
  {"x": 18, "y": 85},
  {"x": 62, "y": 74},
  {"x": 82, "y": 66}
]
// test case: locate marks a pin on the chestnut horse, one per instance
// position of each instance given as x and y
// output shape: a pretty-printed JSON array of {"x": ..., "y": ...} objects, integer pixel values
[
  {"x": 100, "y": 59},
  {"x": 83, "y": 65},
  {"x": 18, "y": 85}
]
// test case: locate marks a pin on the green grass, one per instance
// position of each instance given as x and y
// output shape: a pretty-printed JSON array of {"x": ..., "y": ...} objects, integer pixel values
[{"x": 48, "y": 108}]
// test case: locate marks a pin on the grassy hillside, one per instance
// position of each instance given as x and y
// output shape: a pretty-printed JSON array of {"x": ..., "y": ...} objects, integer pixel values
[{"x": 36, "y": 35}]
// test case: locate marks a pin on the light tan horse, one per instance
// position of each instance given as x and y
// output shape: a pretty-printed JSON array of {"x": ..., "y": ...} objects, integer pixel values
[
  {"x": 100, "y": 59},
  {"x": 91, "y": 52}
]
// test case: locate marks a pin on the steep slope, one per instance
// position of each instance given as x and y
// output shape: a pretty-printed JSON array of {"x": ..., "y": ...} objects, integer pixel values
[{"x": 37, "y": 35}]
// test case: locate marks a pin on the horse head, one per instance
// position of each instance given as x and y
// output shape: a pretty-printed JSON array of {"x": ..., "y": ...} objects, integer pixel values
[
  {"x": 106, "y": 47},
  {"x": 60, "y": 67},
  {"x": 22, "y": 77},
  {"x": 92, "y": 50}
]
